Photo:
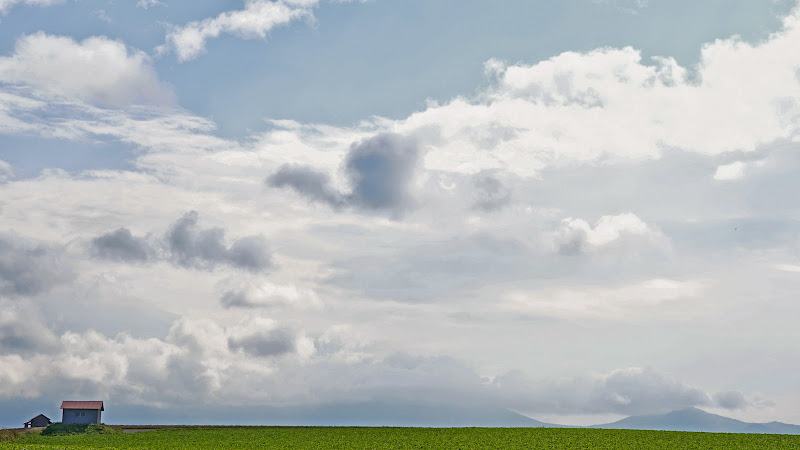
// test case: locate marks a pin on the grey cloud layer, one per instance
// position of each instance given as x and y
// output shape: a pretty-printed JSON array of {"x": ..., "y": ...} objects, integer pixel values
[
  {"x": 265, "y": 342},
  {"x": 122, "y": 245},
  {"x": 21, "y": 330},
  {"x": 630, "y": 391},
  {"x": 29, "y": 268},
  {"x": 491, "y": 194},
  {"x": 379, "y": 170},
  {"x": 200, "y": 361},
  {"x": 188, "y": 246}
]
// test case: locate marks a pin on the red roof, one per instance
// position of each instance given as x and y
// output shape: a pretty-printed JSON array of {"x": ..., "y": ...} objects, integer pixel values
[{"x": 82, "y": 405}]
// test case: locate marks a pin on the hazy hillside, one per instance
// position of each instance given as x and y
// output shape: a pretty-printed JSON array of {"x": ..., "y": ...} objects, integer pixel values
[{"x": 693, "y": 419}]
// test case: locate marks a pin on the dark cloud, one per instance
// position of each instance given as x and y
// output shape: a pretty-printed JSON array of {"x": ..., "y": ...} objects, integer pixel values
[
  {"x": 308, "y": 182},
  {"x": 188, "y": 246},
  {"x": 251, "y": 251},
  {"x": 490, "y": 193},
  {"x": 731, "y": 400},
  {"x": 380, "y": 170},
  {"x": 22, "y": 331},
  {"x": 236, "y": 299},
  {"x": 121, "y": 245},
  {"x": 571, "y": 241},
  {"x": 627, "y": 391},
  {"x": 274, "y": 342},
  {"x": 29, "y": 269}
]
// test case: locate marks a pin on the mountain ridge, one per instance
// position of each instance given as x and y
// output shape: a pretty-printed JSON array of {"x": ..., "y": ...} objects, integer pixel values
[{"x": 694, "y": 419}]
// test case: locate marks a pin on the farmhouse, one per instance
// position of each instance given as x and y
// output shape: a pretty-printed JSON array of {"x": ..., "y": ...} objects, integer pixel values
[
  {"x": 81, "y": 412},
  {"x": 39, "y": 421}
]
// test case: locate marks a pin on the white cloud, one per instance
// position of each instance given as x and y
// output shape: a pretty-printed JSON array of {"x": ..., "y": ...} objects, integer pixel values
[
  {"x": 578, "y": 236},
  {"x": 609, "y": 105},
  {"x": 627, "y": 6},
  {"x": 101, "y": 14},
  {"x": 57, "y": 66},
  {"x": 6, "y": 172},
  {"x": 265, "y": 294},
  {"x": 148, "y": 127},
  {"x": 254, "y": 21},
  {"x": 736, "y": 170},
  {"x": 6, "y": 5},
  {"x": 732, "y": 171},
  {"x": 144, "y": 4},
  {"x": 622, "y": 302},
  {"x": 791, "y": 268}
]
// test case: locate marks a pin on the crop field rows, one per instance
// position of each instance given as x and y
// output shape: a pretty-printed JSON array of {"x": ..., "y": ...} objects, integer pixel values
[{"x": 402, "y": 438}]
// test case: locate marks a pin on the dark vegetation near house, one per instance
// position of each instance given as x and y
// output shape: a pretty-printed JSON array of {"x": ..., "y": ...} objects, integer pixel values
[
  {"x": 61, "y": 429},
  {"x": 8, "y": 435}
]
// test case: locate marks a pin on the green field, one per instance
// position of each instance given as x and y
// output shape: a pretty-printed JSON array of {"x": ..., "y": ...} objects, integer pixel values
[{"x": 405, "y": 438}]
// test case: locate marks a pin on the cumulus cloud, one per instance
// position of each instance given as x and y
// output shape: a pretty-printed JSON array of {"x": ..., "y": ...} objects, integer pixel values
[
  {"x": 57, "y": 66},
  {"x": 314, "y": 185},
  {"x": 192, "y": 247},
  {"x": 380, "y": 171},
  {"x": 264, "y": 338},
  {"x": 187, "y": 245},
  {"x": 28, "y": 268},
  {"x": 196, "y": 357},
  {"x": 201, "y": 357},
  {"x": 121, "y": 245},
  {"x": 576, "y": 236},
  {"x": 254, "y": 21},
  {"x": 561, "y": 109}
]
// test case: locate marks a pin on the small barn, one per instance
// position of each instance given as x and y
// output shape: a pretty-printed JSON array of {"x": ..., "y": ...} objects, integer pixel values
[
  {"x": 39, "y": 421},
  {"x": 81, "y": 411}
]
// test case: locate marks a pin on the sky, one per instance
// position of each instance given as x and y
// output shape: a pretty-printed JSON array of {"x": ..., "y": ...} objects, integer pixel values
[{"x": 319, "y": 211}]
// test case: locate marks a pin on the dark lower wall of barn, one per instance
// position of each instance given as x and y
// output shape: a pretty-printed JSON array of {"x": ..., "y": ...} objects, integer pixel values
[{"x": 81, "y": 416}]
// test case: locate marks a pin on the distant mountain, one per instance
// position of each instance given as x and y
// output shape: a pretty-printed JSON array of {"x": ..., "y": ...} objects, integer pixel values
[
  {"x": 693, "y": 419},
  {"x": 373, "y": 413},
  {"x": 409, "y": 415}
]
